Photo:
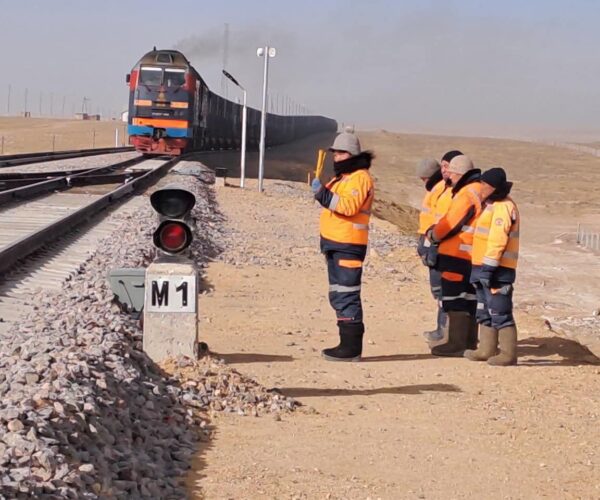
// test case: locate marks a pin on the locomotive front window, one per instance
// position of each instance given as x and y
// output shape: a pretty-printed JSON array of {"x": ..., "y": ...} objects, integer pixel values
[
  {"x": 150, "y": 75},
  {"x": 174, "y": 77}
]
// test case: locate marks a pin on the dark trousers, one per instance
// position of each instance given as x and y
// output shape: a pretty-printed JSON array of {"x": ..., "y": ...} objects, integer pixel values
[
  {"x": 458, "y": 294},
  {"x": 495, "y": 305},
  {"x": 345, "y": 272},
  {"x": 435, "y": 283}
]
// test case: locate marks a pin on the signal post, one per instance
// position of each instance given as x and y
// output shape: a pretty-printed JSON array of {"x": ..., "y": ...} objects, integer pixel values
[{"x": 171, "y": 282}]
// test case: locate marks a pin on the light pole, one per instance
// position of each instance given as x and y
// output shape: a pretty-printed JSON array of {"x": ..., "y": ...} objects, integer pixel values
[
  {"x": 244, "y": 114},
  {"x": 266, "y": 52}
]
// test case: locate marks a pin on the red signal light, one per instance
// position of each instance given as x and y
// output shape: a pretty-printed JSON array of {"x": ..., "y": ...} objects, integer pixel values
[{"x": 173, "y": 237}]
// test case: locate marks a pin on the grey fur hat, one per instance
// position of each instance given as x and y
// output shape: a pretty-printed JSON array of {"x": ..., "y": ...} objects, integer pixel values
[
  {"x": 348, "y": 142},
  {"x": 426, "y": 168}
]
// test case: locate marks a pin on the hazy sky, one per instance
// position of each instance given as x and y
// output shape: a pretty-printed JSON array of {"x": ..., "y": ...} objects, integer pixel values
[{"x": 461, "y": 66}]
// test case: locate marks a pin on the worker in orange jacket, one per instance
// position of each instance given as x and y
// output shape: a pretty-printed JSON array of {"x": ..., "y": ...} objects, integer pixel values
[
  {"x": 495, "y": 256},
  {"x": 435, "y": 204},
  {"x": 451, "y": 241},
  {"x": 344, "y": 226}
]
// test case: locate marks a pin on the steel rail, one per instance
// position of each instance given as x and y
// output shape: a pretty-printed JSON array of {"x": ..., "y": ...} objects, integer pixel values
[
  {"x": 25, "y": 158},
  {"x": 57, "y": 183},
  {"x": 28, "y": 244}
]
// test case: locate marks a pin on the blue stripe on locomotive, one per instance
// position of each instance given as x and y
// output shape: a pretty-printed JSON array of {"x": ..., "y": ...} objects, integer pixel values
[{"x": 169, "y": 131}]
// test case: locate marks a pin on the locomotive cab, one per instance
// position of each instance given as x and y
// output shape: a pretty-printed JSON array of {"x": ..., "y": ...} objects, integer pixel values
[{"x": 161, "y": 98}]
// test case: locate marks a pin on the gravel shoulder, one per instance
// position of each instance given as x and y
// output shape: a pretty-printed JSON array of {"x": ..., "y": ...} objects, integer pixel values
[{"x": 400, "y": 424}]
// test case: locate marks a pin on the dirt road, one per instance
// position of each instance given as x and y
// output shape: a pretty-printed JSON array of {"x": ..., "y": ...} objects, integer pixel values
[{"x": 400, "y": 424}]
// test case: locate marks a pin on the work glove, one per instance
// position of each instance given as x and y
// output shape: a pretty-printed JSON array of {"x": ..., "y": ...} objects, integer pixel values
[
  {"x": 431, "y": 258},
  {"x": 430, "y": 255},
  {"x": 316, "y": 185},
  {"x": 421, "y": 248}
]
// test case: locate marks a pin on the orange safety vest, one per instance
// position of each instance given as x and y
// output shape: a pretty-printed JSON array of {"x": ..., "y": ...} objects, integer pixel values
[
  {"x": 496, "y": 238},
  {"x": 441, "y": 199},
  {"x": 429, "y": 214},
  {"x": 455, "y": 229},
  {"x": 426, "y": 217},
  {"x": 346, "y": 219}
]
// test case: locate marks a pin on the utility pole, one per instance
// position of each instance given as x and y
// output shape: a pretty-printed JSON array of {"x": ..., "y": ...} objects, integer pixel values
[
  {"x": 8, "y": 100},
  {"x": 224, "y": 92}
]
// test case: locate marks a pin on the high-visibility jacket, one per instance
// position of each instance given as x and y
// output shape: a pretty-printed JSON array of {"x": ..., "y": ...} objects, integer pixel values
[
  {"x": 441, "y": 199},
  {"x": 345, "y": 218},
  {"x": 496, "y": 238},
  {"x": 454, "y": 231},
  {"x": 427, "y": 213}
]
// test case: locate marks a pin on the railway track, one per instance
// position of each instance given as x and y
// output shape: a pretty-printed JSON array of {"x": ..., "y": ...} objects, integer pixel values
[
  {"x": 28, "y": 158},
  {"x": 32, "y": 253}
]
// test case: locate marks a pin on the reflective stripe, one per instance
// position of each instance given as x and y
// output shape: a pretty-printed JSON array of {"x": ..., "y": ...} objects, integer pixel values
[
  {"x": 342, "y": 288},
  {"x": 334, "y": 201},
  {"x": 480, "y": 306},
  {"x": 436, "y": 288},
  {"x": 465, "y": 248},
  {"x": 464, "y": 295},
  {"x": 468, "y": 229},
  {"x": 426, "y": 243},
  {"x": 513, "y": 234},
  {"x": 488, "y": 261},
  {"x": 425, "y": 210},
  {"x": 473, "y": 192},
  {"x": 360, "y": 226},
  {"x": 482, "y": 230},
  {"x": 511, "y": 255}
]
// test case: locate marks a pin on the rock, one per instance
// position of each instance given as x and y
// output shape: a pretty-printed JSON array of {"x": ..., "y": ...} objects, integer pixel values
[
  {"x": 86, "y": 468},
  {"x": 15, "y": 426}
]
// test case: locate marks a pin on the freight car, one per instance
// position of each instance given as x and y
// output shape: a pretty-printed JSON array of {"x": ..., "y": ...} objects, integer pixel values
[{"x": 172, "y": 111}]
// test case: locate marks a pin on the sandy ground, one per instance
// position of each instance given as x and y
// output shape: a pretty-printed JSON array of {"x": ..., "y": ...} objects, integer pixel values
[
  {"x": 400, "y": 424},
  {"x": 28, "y": 135}
]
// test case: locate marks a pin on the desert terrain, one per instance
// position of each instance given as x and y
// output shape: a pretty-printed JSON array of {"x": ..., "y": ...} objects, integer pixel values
[
  {"x": 28, "y": 135},
  {"x": 401, "y": 423}
]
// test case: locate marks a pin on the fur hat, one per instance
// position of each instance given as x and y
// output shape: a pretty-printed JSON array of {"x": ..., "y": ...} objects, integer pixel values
[
  {"x": 495, "y": 177},
  {"x": 426, "y": 168},
  {"x": 347, "y": 142},
  {"x": 460, "y": 164},
  {"x": 451, "y": 154}
]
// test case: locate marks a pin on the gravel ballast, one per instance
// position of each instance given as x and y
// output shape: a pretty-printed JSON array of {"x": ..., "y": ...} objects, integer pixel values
[{"x": 84, "y": 413}]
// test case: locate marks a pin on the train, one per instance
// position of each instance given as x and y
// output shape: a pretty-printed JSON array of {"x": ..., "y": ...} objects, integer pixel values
[{"x": 172, "y": 111}]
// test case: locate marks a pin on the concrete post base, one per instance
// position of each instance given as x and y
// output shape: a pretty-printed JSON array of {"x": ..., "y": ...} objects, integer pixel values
[{"x": 170, "y": 310}]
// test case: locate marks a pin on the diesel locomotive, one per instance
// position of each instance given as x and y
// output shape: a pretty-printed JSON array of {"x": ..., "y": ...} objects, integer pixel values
[{"x": 172, "y": 111}]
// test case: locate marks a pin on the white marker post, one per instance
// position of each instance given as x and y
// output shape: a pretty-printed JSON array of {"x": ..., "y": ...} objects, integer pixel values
[
  {"x": 266, "y": 52},
  {"x": 170, "y": 310}
]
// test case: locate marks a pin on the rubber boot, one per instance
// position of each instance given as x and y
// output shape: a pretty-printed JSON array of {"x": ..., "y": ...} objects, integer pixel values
[
  {"x": 459, "y": 323},
  {"x": 488, "y": 344},
  {"x": 473, "y": 329},
  {"x": 507, "y": 340},
  {"x": 350, "y": 346},
  {"x": 437, "y": 334}
]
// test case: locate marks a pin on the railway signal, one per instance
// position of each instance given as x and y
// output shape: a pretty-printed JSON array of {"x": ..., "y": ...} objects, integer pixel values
[
  {"x": 174, "y": 232},
  {"x": 171, "y": 284}
]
